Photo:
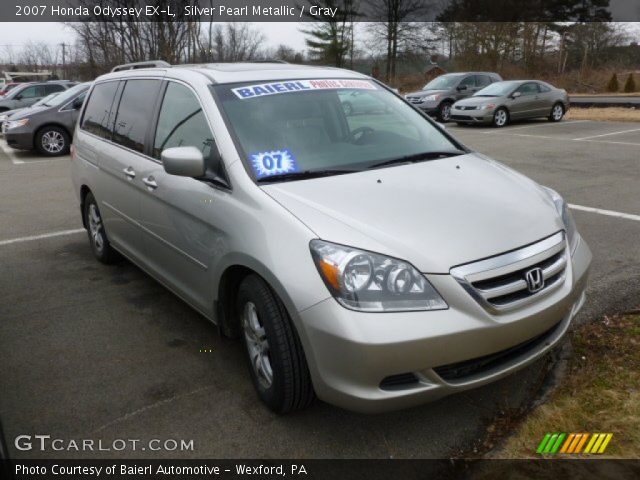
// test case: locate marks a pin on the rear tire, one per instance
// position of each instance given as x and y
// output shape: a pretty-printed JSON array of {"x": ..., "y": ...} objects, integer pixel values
[
  {"x": 276, "y": 359},
  {"x": 52, "y": 141},
  {"x": 500, "y": 117},
  {"x": 557, "y": 112},
  {"x": 98, "y": 240}
]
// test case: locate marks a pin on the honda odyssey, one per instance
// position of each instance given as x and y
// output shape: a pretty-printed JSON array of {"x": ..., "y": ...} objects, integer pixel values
[{"x": 370, "y": 260}]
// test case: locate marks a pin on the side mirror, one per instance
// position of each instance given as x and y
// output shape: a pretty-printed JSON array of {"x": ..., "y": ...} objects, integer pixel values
[
  {"x": 516, "y": 94},
  {"x": 183, "y": 161},
  {"x": 19, "y": 96},
  {"x": 77, "y": 103},
  {"x": 461, "y": 88}
]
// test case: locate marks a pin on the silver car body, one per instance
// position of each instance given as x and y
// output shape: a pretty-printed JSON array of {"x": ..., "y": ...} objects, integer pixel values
[
  {"x": 467, "y": 224},
  {"x": 536, "y": 99}
]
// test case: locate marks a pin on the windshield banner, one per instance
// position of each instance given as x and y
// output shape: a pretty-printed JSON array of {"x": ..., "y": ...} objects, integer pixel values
[{"x": 253, "y": 91}]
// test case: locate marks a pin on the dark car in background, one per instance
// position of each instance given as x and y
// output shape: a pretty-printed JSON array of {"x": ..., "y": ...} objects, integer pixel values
[
  {"x": 437, "y": 96},
  {"x": 29, "y": 93},
  {"x": 49, "y": 127},
  {"x": 502, "y": 102}
]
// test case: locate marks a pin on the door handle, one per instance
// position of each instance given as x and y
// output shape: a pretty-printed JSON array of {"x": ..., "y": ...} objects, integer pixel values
[
  {"x": 150, "y": 182},
  {"x": 130, "y": 173}
]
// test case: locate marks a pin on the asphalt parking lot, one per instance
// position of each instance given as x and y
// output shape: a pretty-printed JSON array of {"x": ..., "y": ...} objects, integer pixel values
[{"x": 91, "y": 351}]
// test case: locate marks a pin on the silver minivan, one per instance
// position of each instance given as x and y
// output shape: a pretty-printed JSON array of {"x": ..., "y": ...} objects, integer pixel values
[{"x": 370, "y": 260}]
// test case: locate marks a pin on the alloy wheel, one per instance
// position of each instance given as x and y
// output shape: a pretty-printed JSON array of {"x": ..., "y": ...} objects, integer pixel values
[
  {"x": 53, "y": 142},
  {"x": 95, "y": 228},
  {"x": 257, "y": 345}
]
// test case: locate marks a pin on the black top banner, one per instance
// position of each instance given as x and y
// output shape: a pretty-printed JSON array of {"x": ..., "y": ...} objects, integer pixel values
[{"x": 320, "y": 10}]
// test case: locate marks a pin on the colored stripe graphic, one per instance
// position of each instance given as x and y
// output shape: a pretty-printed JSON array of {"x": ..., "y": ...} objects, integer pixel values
[
  {"x": 567, "y": 442},
  {"x": 582, "y": 441},
  {"x": 605, "y": 443},
  {"x": 544, "y": 441},
  {"x": 573, "y": 443}
]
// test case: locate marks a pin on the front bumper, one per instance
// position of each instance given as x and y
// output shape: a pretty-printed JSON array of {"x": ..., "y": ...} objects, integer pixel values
[
  {"x": 351, "y": 353},
  {"x": 471, "y": 116},
  {"x": 19, "y": 138}
]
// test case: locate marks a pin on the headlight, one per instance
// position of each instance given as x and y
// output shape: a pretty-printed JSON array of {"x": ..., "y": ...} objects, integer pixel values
[
  {"x": 371, "y": 282},
  {"x": 567, "y": 218},
  {"x": 430, "y": 98},
  {"x": 17, "y": 123},
  {"x": 489, "y": 106}
]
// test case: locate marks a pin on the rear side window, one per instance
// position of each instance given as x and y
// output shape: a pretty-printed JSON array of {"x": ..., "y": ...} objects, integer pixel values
[
  {"x": 181, "y": 122},
  {"x": 134, "y": 113},
  {"x": 54, "y": 87},
  {"x": 97, "y": 115},
  {"x": 543, "y": 87}
]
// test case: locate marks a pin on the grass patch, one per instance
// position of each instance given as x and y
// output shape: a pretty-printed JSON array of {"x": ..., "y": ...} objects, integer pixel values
[
  {"x": 600, "y": 392},
  {"x": 610, "y": 114}
]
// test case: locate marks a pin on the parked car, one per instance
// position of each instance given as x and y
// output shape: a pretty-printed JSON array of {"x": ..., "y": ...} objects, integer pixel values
[
  {"x": 7, "y": 87},
  {"x": 439, "y": 94},
  {"x": 371, "y": 260},
  {"x": 501, "y": 102},
  {"x": 29, "y": 93},
  {"x": 5, "y": 115},
  {"x": 49, "y": 127}
]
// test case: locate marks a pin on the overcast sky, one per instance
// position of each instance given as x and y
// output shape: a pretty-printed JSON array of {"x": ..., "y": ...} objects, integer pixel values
[
  {"x": 287, "y": 33},
  {"x": 55, "y": 33}
]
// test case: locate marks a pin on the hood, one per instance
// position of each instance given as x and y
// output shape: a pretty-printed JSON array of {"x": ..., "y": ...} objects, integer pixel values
[
  {"x": 475, "y": 101},
  {"x": 435, "y": 214},
  {"x": 425, "y": 93},
  {"x": 28, "y": 112},
  {"x": 8, "y": 113}
]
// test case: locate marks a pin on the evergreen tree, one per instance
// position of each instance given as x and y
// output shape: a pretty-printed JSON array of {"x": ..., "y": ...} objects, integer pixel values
[
  {"x": 630, "y": 84},
  {"x": 612, "y": 86}
]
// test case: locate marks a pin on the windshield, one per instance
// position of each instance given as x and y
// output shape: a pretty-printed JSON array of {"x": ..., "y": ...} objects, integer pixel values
[
  {"x": 45, "y": 100},
  {"x": 443, "y": 82},
  {"x": 497, "y": 89},
  {"x": 67, "y": 95},
  {"x": 295, "y": 126}
]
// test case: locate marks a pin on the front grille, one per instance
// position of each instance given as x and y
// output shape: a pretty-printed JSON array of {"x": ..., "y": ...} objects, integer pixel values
[
  {"x": 461, "y": 117},
  {"x": 399, "y": 382},
  {"x": 500, "y": 283},
  {"x": 466, "y": 107},
  {"x": 414, "y": 99},
  {"x": 467, "y": 368}
]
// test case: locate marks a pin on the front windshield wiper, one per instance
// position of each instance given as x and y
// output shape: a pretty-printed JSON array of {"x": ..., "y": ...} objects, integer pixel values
[
  {"x": 305, "y": 174},
  {"x": 418, "y": 157}
]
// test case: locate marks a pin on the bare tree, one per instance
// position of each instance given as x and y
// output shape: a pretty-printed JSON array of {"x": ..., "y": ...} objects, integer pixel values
[{"x": 393, "y": 26}]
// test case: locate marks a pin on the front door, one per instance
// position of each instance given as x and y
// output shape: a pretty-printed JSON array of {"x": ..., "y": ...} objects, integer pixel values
[
  {"x": 182, "y": 217},
  {"x": 524, "y": 105}
]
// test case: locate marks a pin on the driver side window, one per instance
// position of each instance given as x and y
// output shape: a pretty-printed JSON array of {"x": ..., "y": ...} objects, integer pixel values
[
  {"x": 468, "y": 82},
  {"x": 528, "y": 89},
  {"x": 182, "y": 122}
]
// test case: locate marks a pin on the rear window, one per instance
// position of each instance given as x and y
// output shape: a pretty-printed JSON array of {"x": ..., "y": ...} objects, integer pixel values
[{"x": 97, "y": 115}]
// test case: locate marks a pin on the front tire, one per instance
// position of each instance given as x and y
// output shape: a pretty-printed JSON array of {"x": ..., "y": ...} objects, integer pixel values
[
  {"x": 444, "y": 111},
  {"x": 500, "y": 117},
  {"x": 52, "y": 141},
  {"x": 557, "y": 112},
  {"x": 276, "y": 359},
  {"x": 98, "y": 240}
]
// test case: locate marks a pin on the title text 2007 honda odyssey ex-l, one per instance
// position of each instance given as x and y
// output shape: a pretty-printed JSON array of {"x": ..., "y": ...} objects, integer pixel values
[{"x": 371, "y": 260}]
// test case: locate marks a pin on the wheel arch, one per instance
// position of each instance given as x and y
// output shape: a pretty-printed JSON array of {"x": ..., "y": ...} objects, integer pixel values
[
  {"x": 234, "y": 270},
  {"x": 84, "y": 191}
]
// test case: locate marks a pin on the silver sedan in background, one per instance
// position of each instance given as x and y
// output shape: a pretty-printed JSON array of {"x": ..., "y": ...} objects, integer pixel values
[{"x": 502, "y": 102}]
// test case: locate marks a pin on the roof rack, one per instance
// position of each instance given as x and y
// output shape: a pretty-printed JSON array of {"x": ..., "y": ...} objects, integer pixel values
[{"x": 137, "y": 65}]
